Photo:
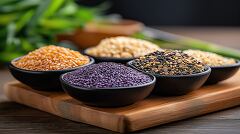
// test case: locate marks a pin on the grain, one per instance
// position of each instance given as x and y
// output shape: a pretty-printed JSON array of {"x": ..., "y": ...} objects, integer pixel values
[
  {"x": 209, "y": 58},
  {"x": 169, "y": 62},
  {"x": 51, "y": 58},
  {"x": 122, "y": 47},
  {"x": 106, "y": 75}
]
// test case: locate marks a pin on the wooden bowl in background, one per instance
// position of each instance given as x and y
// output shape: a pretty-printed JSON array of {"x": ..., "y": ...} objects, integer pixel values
[{"x": 94, "y": 32}]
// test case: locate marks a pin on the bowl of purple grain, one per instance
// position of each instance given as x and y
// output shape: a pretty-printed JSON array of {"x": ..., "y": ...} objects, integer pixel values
[
  {"x": 176, "y": 72},
  {"x": 107, "y": 84}
]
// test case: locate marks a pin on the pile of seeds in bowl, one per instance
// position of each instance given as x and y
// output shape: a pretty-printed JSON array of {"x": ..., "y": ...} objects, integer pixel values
[
  {"x": 122, "y": 47},
  {"x": 168, "y": 62},
  {"x": 209, "y": 58},
  {"x": 106, "y": 75},
  {"x": 51, "y": 58}
]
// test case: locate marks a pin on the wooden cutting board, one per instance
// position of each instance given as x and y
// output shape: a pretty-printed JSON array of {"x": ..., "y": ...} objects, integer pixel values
[{"x": 152, "y": 111}]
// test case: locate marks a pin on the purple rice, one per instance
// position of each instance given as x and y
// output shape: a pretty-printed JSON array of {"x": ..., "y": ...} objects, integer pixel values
[{"x": 106, "y": 75}]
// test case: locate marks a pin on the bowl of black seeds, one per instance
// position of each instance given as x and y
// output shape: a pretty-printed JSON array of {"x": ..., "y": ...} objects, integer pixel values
[
  {"x": 176, "y": 72},
  {"x": 108, "y": 84}
]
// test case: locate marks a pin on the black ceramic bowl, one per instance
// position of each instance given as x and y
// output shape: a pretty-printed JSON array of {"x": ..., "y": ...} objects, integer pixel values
[
  {"x": 221, "y": 73},
  {"x": 41, "y": 80},
  {"x": 178, "y": 84},
  {"x": 109, "y": 97},
  {"x": 108, "y": 59}
]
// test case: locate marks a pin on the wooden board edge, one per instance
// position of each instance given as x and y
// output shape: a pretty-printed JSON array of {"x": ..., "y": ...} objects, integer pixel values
[
  {"x": 130, "y": 122},
  {"x": 118, "y": 121},
  {"x": 199, "y": 107}
]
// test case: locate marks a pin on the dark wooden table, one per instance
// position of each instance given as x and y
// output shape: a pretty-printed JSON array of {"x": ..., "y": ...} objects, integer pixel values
[{"x": 16, "y": 118}]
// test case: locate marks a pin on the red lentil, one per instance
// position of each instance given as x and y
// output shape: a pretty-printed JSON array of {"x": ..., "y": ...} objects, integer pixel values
[{"x": 51, "y": 58}]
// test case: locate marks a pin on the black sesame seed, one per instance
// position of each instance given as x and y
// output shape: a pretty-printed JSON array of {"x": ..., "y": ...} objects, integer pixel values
[{"x": 169, "y": 62}]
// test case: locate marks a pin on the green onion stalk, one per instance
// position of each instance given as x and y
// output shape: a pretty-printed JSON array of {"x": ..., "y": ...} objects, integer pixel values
[{"x": 168, "y": 40}]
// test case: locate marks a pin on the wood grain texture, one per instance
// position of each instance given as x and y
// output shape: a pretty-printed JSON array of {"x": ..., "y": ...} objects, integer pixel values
[{"x": 150, "y": 112}]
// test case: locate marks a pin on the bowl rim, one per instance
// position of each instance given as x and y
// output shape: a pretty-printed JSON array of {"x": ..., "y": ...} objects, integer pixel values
[
  {"x": 49, "y": 71},
  {"x": 109, "y": 88},
  {"x": 106, "y": 58},
  {"x": 207, "y": 71},
  {"x": 237, "y": 64}
]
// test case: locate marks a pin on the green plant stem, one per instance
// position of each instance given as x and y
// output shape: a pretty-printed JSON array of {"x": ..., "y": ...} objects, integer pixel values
[{"x": 168, "y": 40}]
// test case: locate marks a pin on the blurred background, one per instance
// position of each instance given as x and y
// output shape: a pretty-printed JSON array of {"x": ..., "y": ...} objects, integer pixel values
[
  {"x": 175, "y": 12},
  {"x": 78, "y": 24}
]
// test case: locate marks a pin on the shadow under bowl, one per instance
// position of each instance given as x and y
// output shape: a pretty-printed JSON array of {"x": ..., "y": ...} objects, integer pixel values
[
  {"x": 109, "y": 97},
  {"x": 178, "y": 84},
  {"x": 108, "y": 59},
  {"x": 221, "y": 73},
  {"x": 41, "y": 80}
]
